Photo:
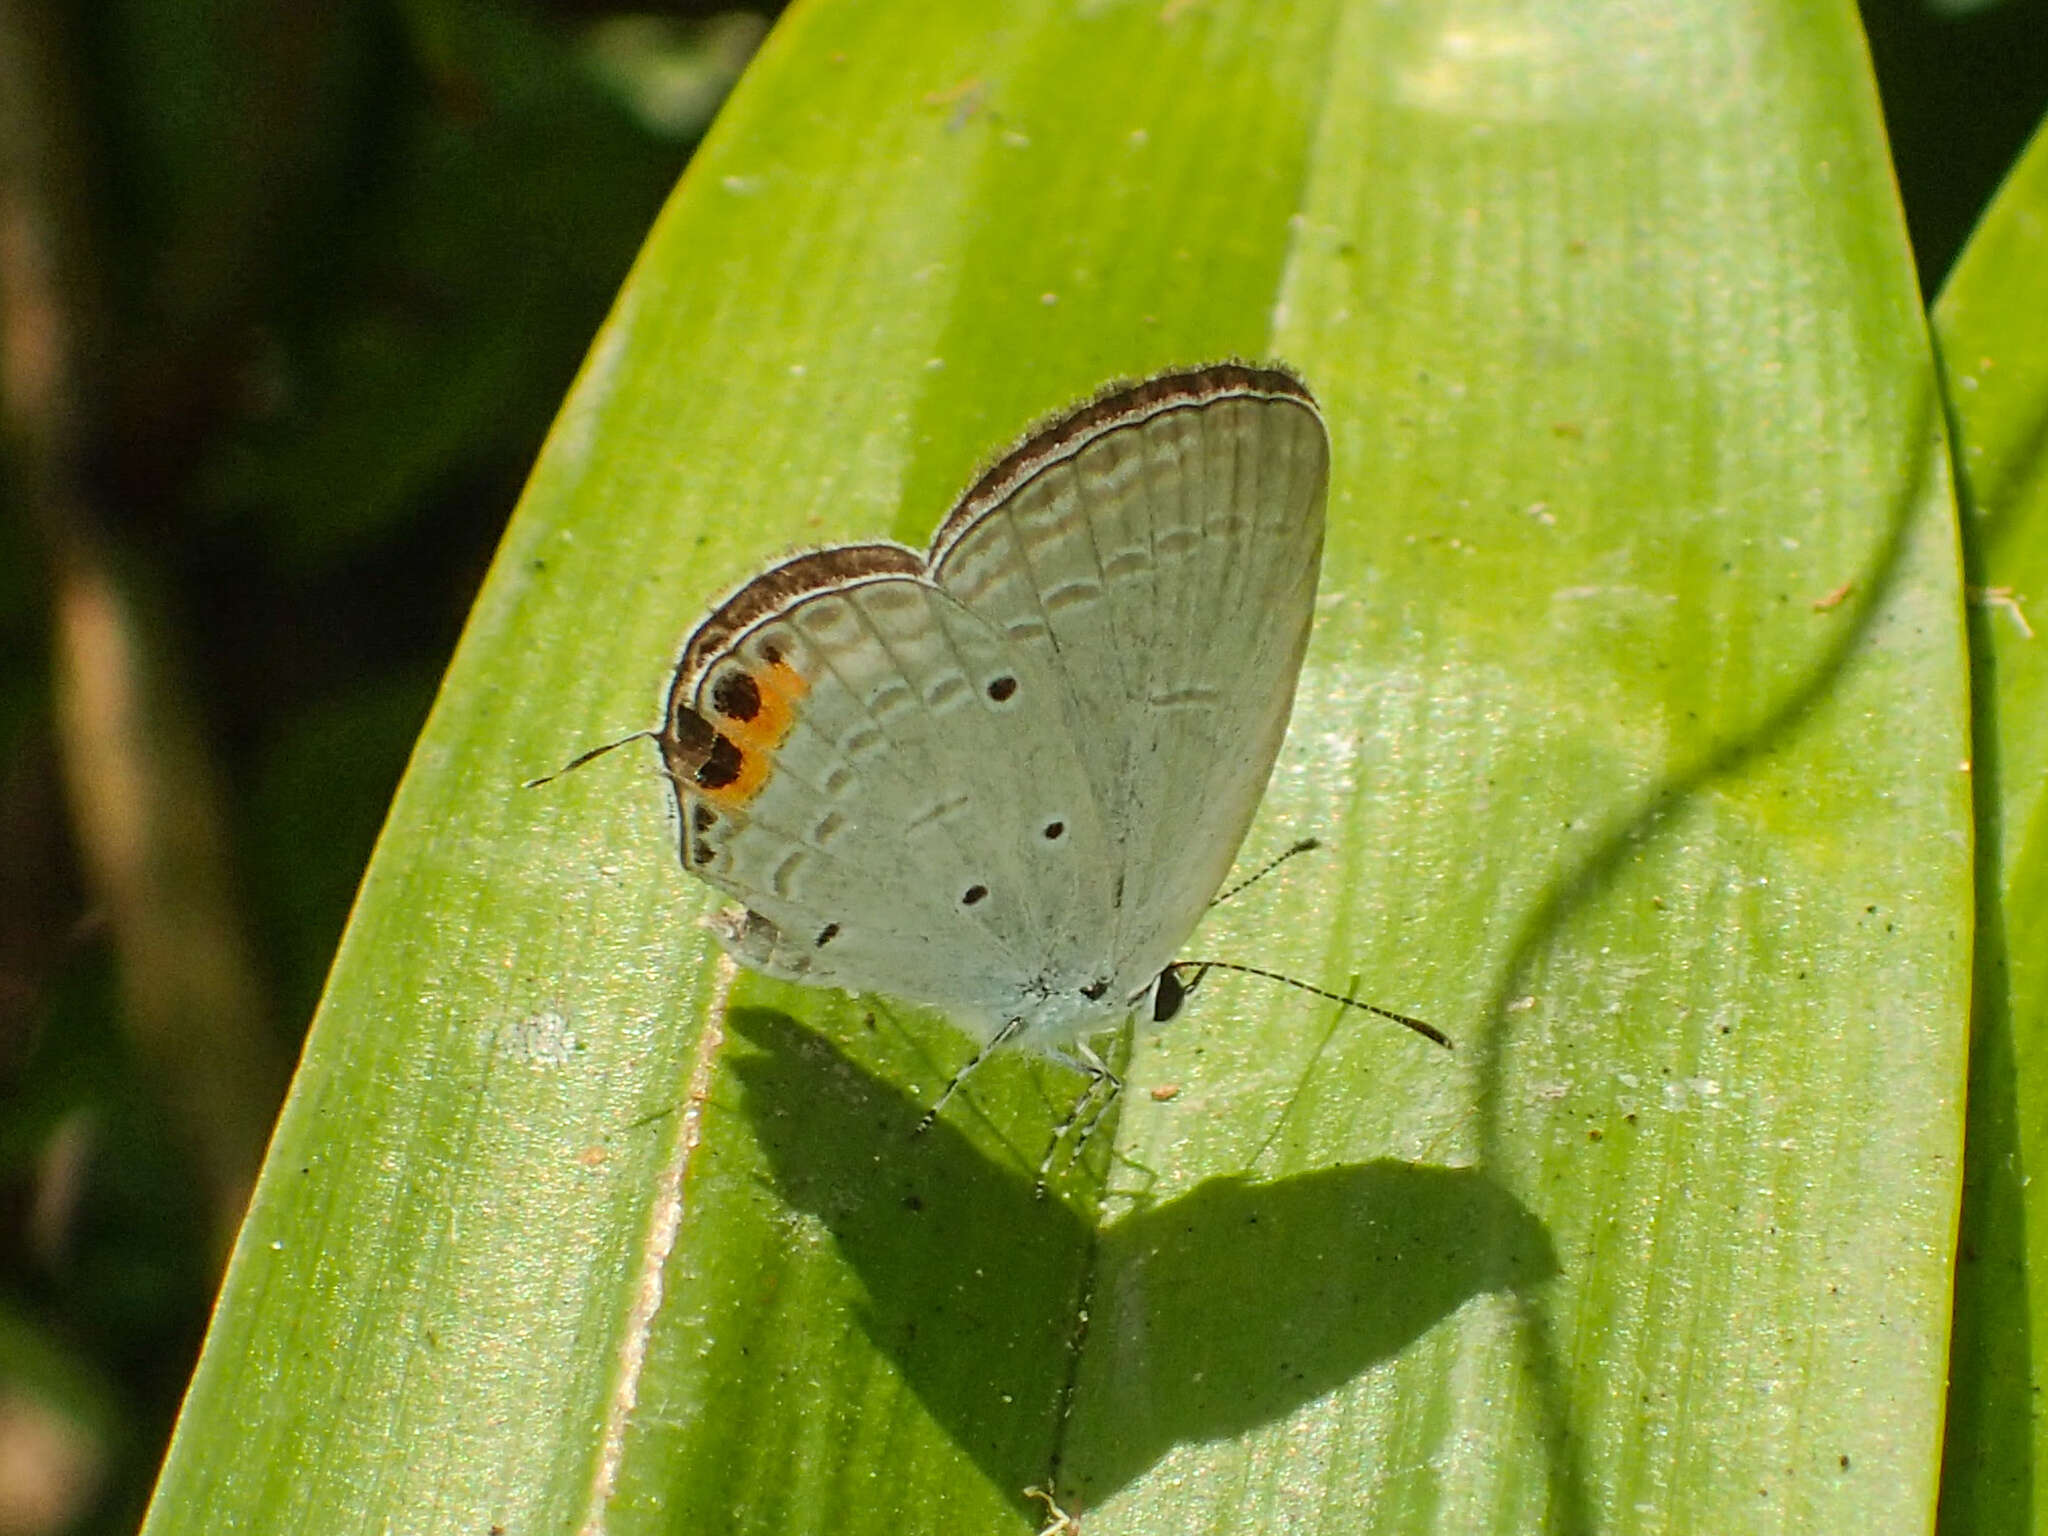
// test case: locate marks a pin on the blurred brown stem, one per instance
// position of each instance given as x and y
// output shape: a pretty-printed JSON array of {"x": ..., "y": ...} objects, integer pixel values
[{"x": 144, "y": 793}]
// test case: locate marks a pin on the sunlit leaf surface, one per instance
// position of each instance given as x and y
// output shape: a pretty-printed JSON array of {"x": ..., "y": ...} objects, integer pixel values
[
  {"x": 1992, "y": 325},
  {"x": 1633, "y": 727}
]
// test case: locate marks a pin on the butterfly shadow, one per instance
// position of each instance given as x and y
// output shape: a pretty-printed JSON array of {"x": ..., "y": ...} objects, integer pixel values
[{"x": 1055, "y": 1353}]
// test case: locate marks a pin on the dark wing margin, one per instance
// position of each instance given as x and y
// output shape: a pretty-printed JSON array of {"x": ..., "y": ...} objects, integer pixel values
[
  {"x": 1119, "y": 404},
  {"x": 777, "y": 588}
]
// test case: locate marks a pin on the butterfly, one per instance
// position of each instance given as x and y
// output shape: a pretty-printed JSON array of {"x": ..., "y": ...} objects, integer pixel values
[{"x": 1003, "y": 778}]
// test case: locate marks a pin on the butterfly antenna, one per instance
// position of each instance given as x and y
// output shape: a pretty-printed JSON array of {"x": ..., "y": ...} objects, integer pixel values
[
  {"x": 594, "y": 753},
  {"x": 1304, "y": 846},
  {"x": 1427, "y": 1031}
]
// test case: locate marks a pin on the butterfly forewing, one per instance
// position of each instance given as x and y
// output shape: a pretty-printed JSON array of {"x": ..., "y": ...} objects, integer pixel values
[{"x": 1161, "y": 560}]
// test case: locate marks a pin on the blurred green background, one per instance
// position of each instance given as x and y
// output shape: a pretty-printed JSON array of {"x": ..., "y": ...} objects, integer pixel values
[{"x": 288, "y": 296}]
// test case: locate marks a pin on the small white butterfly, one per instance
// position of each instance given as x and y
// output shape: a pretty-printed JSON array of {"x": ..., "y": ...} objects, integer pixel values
[{"x": 1003, "y": 779}]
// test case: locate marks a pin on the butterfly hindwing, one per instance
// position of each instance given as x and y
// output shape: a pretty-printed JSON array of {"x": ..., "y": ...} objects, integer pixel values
[{"x": 905, "y": 814}]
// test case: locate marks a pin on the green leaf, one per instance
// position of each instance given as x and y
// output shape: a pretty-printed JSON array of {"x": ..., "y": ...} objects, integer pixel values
[
  {"x": 1632, "y": 726},
  {"x": 1992, "y": 327}
]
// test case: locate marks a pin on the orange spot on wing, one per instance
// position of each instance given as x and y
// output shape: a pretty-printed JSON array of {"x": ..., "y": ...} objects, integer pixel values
[{"x": 782, "y": 690}]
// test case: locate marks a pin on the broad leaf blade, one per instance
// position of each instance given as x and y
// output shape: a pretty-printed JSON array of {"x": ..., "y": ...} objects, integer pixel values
[
  {"x": 1637, "y": 700},
  {"x": 1992, "y": 326},
  {"x": 1632, "y": 726}
]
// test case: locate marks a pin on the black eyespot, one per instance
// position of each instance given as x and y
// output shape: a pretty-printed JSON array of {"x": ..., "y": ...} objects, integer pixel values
[
  {"x": 703, "y": 853},
  {"x": 771, "y": 653},
  {"x": 1002, "y": 688},
  {"x": 721, "y": 766},
  {"x": 736, "y": 696},
  {"x": 1167, "y": 996},
  {"x": 702, "y": 817},
  {"x": 1094, "y": 990},
  {"x": 1053, "y": 830},
  {"x": 826, "y": 935},
  {"x": 973, "y": 894}
]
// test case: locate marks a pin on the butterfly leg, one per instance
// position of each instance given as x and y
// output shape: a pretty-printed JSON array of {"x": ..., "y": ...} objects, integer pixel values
[
  {"x": 1110, "y": 1085},
  {"x": 1094, "y": 1101},
  {"x": 1001, "y": 1038}
]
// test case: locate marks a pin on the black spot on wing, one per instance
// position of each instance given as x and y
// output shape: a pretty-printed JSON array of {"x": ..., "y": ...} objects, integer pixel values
[
  {"x": 736, "y": 696},
  {"x": 721, "y": 767}
]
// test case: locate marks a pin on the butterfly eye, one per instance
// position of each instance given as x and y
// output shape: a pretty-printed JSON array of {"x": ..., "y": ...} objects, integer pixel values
[
  {"x": 1002, "y": 688},
  {"x": 973, "y": 894},
  {"x": 1054, "y": 830}
]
